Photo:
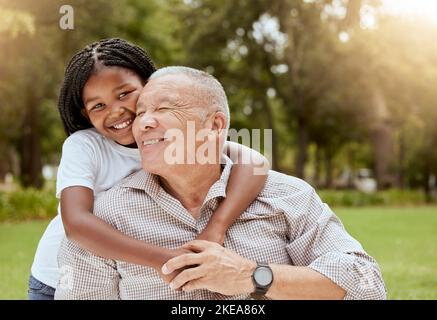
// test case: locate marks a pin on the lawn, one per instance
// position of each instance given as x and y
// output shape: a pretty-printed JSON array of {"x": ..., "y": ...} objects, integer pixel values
[
  {"x": 17, "y": 246},
  {"x": 403, "y": 241}
]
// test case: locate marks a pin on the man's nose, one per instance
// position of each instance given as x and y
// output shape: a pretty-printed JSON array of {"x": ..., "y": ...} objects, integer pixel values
[{"x": 147, "y": 122}]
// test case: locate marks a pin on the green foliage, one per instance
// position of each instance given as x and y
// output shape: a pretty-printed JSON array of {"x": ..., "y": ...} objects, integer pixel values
[
  {"x": 323, "y": 93},
  {"x": 35, "y": 51},
  {"x": 16, "y": 22},
  {"x": 353, "y": 198},
  {"x": 25, "y": 204}
]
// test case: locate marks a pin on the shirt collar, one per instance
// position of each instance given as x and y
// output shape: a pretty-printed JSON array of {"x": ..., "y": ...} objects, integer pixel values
[
  {"x": 143, "y": 180},
  {"x": 149, "y": 183},
  {"x": 218, "y": 189}
]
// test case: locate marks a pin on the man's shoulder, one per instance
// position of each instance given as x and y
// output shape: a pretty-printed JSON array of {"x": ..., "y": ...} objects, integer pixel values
[
  {"x": 282, "y": 185},
  {"x": 120, "y": 195},
  {"x": 125, "y": 186}
]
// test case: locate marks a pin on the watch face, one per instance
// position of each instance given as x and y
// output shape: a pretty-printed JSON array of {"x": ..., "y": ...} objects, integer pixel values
[{"x": 263, "y": 276}]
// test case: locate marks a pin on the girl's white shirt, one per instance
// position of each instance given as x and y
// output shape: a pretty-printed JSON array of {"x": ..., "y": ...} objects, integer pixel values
[{"x": 88, "y": 160}]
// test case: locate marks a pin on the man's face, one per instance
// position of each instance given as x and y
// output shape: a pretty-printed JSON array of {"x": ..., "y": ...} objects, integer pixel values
[{"x": 165, "y": 103}]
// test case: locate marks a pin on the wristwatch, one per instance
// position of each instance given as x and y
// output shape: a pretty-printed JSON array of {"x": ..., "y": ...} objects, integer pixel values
[{"x": 262, "y": 278}]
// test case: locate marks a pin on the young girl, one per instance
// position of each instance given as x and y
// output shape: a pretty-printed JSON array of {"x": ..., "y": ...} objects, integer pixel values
[{"x": 97, "y": 107}]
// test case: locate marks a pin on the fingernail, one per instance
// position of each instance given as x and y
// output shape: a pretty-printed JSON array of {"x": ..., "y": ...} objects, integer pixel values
[
  {"x": 165, "y": 270},
  {"x": 172, "y": 286}
]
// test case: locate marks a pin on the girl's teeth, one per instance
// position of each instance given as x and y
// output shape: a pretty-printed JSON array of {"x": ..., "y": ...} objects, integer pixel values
[{"x": 123, "y": 125}]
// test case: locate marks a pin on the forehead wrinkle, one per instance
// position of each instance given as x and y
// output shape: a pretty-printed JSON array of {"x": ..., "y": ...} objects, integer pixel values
[
  {"x": 182, "y": 103},
  {"x": 174, "y": 96},
  {"x": 185, "y": 97}
]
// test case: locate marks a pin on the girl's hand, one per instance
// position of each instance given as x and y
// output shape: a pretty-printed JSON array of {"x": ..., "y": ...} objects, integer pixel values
[
  {"x": 167, "y": 255},
  {"x": 212, "y": 235}
]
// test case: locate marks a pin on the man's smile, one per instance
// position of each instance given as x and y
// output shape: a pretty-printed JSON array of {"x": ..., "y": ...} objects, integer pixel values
[{"x": 152, "y": 141}]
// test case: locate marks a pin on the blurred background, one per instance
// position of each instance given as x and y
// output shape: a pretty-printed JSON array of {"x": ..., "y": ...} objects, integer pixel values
[{"x": 348, "y": 88}]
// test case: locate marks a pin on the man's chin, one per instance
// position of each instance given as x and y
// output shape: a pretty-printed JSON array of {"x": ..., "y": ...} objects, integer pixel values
[{"x": 154, "y": 166}]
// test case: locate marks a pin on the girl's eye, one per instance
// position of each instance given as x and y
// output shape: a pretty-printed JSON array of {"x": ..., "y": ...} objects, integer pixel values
[
  {"x": 124, "y": 94},
  {"x": 97, "y": 106},
  {"x": 140, "y": 114}
]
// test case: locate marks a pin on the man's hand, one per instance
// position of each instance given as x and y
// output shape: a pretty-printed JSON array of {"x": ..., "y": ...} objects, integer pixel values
[
  {"x": 166, "y": 255},
  {"x": 218, "y": 269}
]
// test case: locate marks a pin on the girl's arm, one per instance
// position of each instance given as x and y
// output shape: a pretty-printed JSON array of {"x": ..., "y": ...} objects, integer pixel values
[
  {"x": 101, "y": 238},
  {"x": 246, "y": 181}
]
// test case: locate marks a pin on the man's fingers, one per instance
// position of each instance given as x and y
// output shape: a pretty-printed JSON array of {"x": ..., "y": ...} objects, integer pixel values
[
  {"x": 193, "y": 285},
  {"x": 181, "y": 261},
  {"x": 186, "y": 276}
]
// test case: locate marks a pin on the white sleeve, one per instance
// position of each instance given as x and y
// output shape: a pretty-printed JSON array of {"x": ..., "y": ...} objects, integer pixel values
[{"x": 78, "y": 166}]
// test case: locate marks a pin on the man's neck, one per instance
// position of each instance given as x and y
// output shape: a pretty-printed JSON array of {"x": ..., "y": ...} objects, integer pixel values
[{"x": 191, "y": 184}]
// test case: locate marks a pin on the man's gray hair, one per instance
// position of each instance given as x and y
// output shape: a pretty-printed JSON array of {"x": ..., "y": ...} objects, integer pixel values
[{"x": 207, "y": 88}]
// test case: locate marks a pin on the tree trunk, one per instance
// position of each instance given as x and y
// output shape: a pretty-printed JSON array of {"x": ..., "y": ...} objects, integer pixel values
[
  {"x": 302, "y": 149},
  {"x": 328, "y": 170},
  {"x": 317, "y": 166},
  {"x": 401, "y": 175},
  {"x": 30, "y": 145},
  {"x": 352, "y": 18},
  {"x": 383, "y": 154},
  {"x": 293, "y": 57},
  {"x": 426, "y": 187},
  {"x": 351, "y": 161},
  {"x": 4, "y": 167},
  {"x": 270, "y": 118},
  {"x": 382, "y": 141},
  {"x": 271, "y": 125}
]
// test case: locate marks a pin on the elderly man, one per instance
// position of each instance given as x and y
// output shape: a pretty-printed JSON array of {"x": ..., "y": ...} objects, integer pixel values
[{"x": 286, "y": 245}]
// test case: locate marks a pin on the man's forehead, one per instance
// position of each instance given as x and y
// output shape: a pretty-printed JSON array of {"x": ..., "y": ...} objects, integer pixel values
[{"x": 166, "y": 87}]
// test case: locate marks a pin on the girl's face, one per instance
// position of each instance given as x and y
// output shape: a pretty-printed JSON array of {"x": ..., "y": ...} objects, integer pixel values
[{"x": 110, "y": 97}]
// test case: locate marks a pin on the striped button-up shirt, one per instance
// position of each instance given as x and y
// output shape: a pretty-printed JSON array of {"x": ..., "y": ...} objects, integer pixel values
[{"x": 286, "y": 224}]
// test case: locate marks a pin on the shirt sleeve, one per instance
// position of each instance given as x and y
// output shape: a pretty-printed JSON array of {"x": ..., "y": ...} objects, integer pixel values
[
  {"x": 78, "y": 164},
  {"x": 320, "y": 242},
  {"x": 84, "y": 276}
]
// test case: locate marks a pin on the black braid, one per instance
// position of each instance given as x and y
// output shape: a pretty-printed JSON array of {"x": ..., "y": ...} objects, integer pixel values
[{"x": 107, "y": 52}]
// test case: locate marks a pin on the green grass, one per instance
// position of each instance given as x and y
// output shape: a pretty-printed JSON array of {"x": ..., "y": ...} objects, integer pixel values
[
  {"x": 402, "y": 240},
  {"x": 18, "y": 244}
]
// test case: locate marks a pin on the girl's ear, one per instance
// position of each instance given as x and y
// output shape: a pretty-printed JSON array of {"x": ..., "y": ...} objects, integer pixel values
[{"x": 85, "y": 113}]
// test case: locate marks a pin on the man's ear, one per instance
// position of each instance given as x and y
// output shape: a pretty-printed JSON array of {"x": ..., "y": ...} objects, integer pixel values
[
  {"x": 219, "y": 122},
  {"x": 85, "y": 113}
]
